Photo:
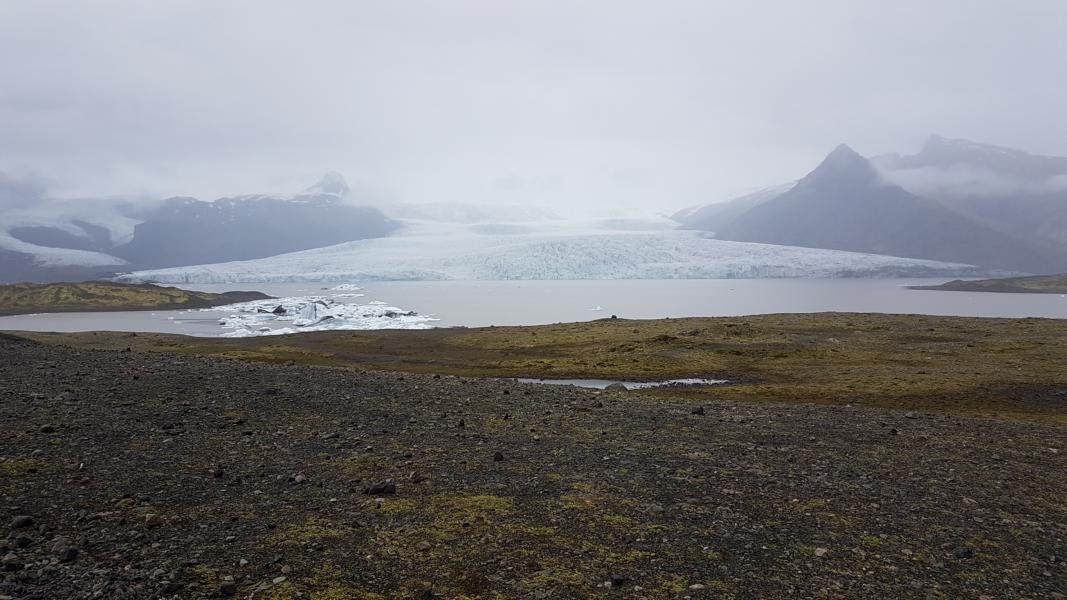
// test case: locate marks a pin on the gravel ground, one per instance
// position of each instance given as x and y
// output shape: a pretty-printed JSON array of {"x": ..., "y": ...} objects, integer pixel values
[{"x": 137, "y": 475}]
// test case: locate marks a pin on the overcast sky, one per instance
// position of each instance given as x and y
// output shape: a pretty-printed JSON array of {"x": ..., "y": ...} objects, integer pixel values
[{"x": 659, "y": 104}]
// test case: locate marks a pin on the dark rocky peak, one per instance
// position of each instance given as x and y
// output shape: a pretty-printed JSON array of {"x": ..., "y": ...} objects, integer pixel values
[
  {"x": 842, "y": 167},
  {"x": 331, "y": 183}
]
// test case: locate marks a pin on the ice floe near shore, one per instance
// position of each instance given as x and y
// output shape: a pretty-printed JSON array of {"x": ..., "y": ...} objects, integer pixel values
[{"x": 298, "y": 314}]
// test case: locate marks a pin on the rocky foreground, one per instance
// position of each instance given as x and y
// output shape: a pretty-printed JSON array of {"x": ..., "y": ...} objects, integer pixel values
[{"x": 138, "y": 475}]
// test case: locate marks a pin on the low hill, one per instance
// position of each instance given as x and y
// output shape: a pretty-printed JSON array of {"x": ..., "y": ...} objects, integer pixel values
[
  {"x": 26, "y": 298},
  {"x": 1038, "y": 284}
]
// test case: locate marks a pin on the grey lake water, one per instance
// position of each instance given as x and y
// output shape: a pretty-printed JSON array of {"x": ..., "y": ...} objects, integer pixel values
[{"x": 483, "y": 303}]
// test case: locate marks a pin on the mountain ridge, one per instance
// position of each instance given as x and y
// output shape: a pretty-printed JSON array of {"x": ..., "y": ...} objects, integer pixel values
[{"x": 852, "y": 203}]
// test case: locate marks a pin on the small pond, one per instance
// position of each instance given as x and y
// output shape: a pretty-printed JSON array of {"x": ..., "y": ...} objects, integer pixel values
[{"x": 600, "y": 384}]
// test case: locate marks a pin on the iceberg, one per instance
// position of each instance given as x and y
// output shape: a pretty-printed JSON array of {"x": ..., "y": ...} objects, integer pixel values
[{"x": 313, "y": 313}]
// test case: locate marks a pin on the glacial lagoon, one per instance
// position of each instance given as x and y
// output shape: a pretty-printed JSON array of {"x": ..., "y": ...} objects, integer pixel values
[{"x": 421, "y": 304}]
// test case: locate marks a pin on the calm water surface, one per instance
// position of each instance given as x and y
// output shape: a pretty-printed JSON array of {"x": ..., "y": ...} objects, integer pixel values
[{"x": 481, "y": 303}]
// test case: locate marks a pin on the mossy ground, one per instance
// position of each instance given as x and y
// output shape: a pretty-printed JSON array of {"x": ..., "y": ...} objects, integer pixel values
[
  {"x": 23, "y": 298},
  {"x": 1002, "y": 368}
]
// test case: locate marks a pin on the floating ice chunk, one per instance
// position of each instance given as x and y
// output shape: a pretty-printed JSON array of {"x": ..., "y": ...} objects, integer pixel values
[{"x": 315, "y": 313}]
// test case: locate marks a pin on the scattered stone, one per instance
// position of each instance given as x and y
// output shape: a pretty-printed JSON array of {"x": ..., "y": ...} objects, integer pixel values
[
  {"x": 698, "y": 410},
  {"x": 67, "y": 554},
  {"x": 820, "y": 552},
  {"x": 616, "y": 387},
  {"x": 964, "y": 553},
  {"x": 47, "y": 429},
  {"x": 21, "y": 521},
  {"x": 11, "y": 562},
  {"x": 498, "y": 456},
  {"x": 381, "y": 488},
  {"x": 228, "y": 588},
  {"x": 423, "y": 546},
  {"x": 618, "y": 581}
]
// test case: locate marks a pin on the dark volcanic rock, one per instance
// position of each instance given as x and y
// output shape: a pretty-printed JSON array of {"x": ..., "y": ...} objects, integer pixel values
[
  {"x": 380, "y": 489},
  {"x": 154, "y": 491}
]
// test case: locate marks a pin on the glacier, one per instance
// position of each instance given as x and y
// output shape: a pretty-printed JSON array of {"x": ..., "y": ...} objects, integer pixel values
[
  {"x": 61, "y": 215},
  {"x": 538, "y": 251},
  {"x": 47, "y": 256}
]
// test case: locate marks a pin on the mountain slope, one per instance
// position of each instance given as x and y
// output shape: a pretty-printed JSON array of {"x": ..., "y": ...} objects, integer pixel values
[
  {"x": 185, "y": 231},
  {"x": 845, "y": 204},
  {"x": 714, "y": 217},
  {"x": 1021, "y": 194}
]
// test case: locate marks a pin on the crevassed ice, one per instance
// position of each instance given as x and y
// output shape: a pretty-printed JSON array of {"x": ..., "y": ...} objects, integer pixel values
[{"x": 443, "y": 253}]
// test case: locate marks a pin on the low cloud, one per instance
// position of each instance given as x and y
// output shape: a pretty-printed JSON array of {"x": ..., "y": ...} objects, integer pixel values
[
  {"x": 961, "y": 180},
  {"x": 20, "y": 192}
]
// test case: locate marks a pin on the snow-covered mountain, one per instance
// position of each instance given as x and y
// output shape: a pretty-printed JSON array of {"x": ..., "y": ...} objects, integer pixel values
[
  {"x": 538, "y": 251},
  {"x": 48, "y": 240},
  {"x": 53, "y": 240}
]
